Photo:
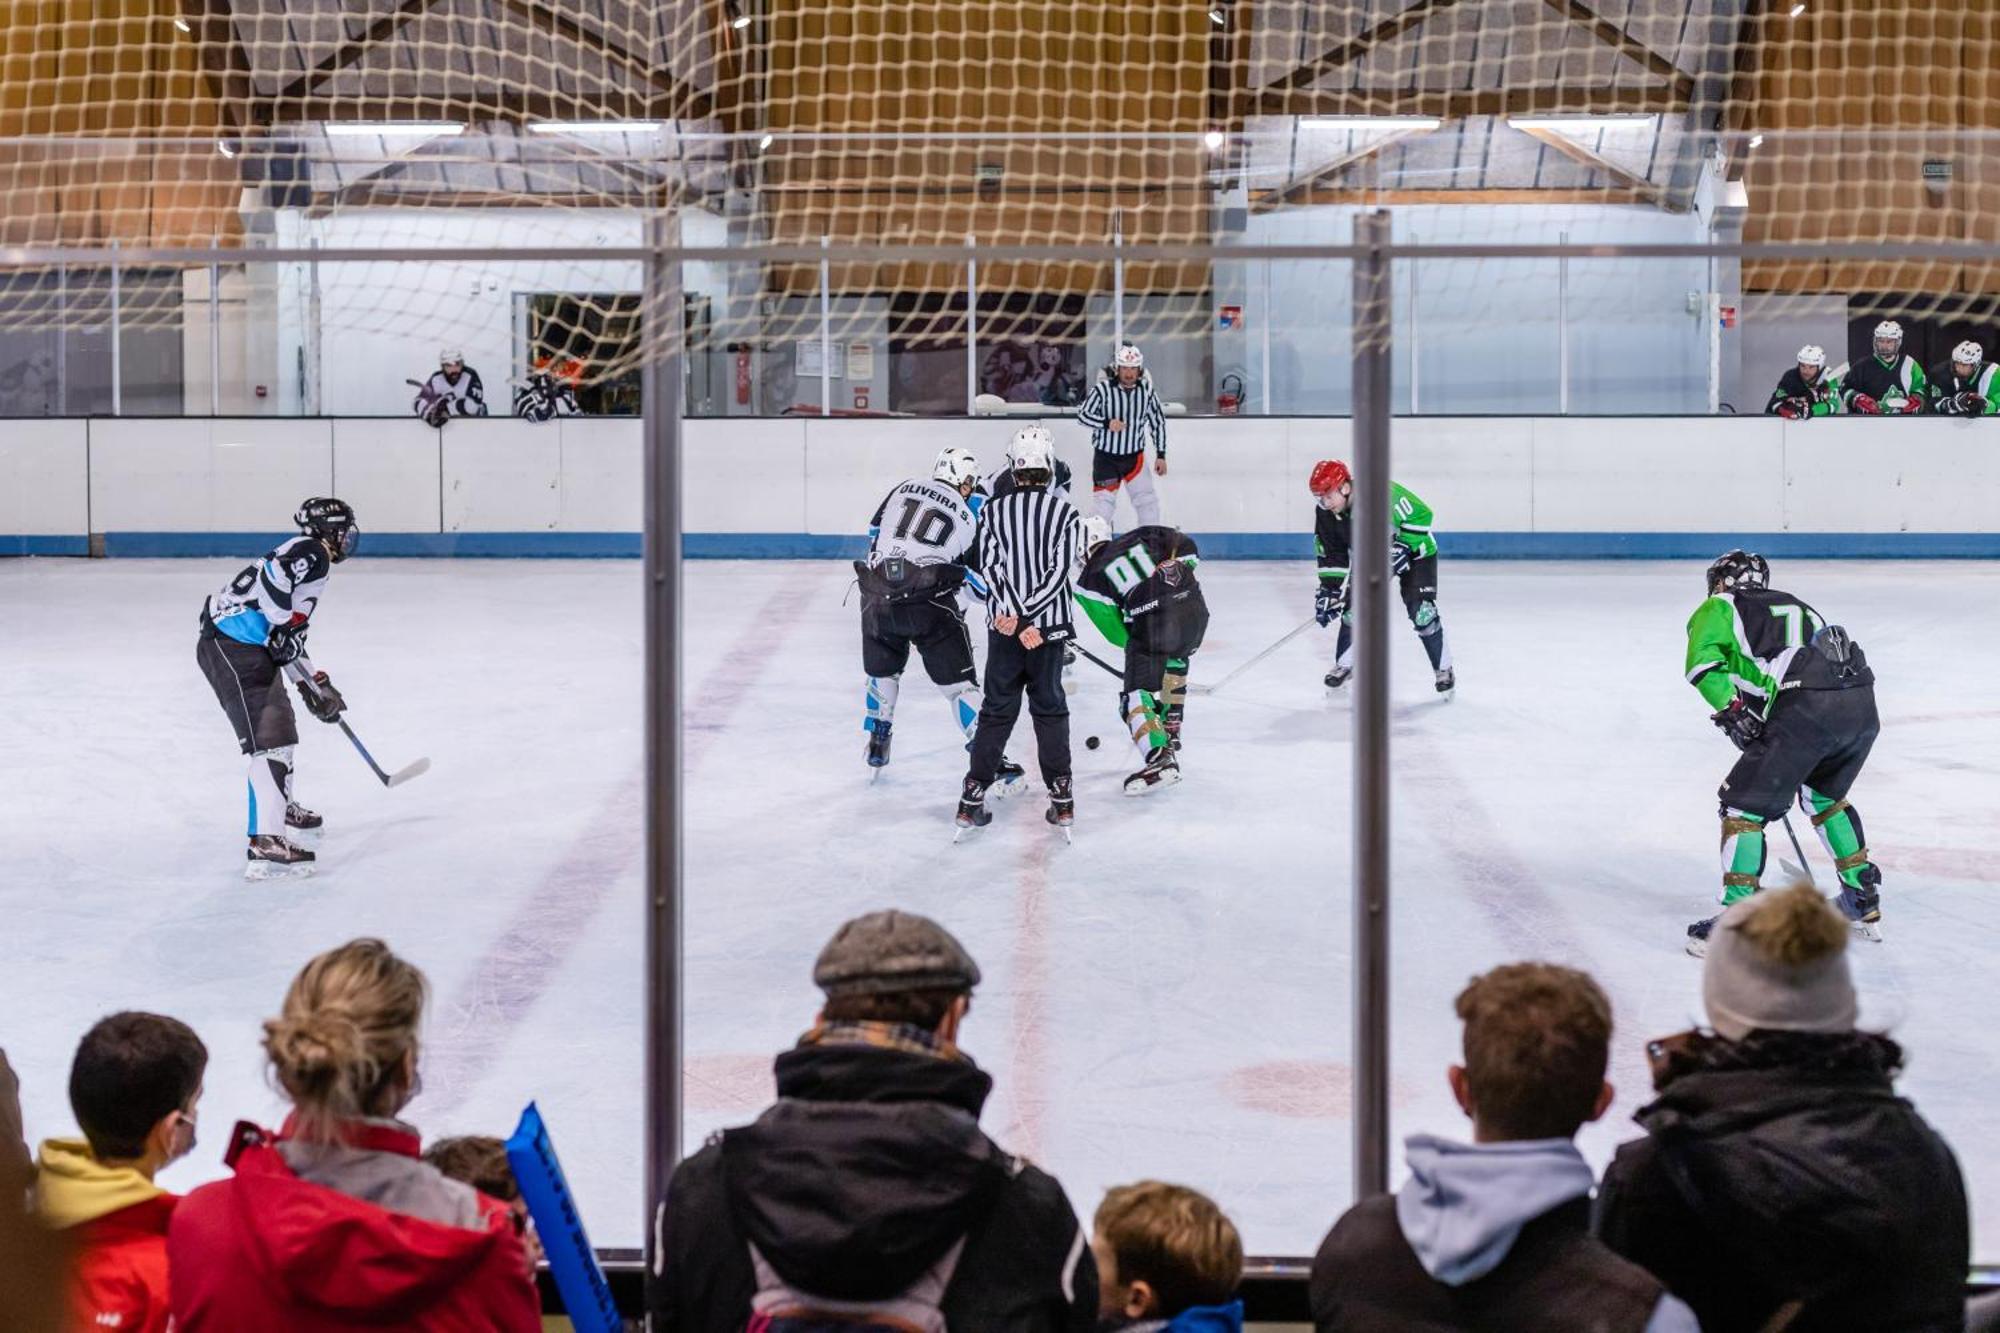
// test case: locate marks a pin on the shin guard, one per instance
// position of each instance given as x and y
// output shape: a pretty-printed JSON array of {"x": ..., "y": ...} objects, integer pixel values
[{"x": 1742, "y": 854}]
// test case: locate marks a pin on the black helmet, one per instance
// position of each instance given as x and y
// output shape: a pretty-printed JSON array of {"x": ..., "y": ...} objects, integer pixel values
[
  {"x": 332, "y": 521},
  {"x": 1738, "y": 569}
]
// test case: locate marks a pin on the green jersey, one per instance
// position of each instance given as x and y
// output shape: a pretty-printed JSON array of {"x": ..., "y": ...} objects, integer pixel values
[
  {"x": 1409, "y": 524},
  {"x": 1740, "y": 642}
]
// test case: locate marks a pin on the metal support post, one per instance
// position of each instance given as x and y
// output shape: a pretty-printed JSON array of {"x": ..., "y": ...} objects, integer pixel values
[
  {"x": 315, "y": 385},
  {"x": 1117, "y": 284},
  {"x": 117, "y": 334},
  {"x": 660, "y": 400},
  {"x": 1266, "y": 318},
  {"x": 62, "y": 340},
  {"x": 215, "y": 333},
  {"x": 971, "y": 325},
  {"x": 1372, "y": 312},
  {"x": 1416, "y": 339},
  {"x": 825, "y": 332},
  {"x": 1562, "y": 327}
]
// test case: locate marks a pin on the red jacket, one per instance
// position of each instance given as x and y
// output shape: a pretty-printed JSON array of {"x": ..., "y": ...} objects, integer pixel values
[
  {"x": 267, "y": 1250},
  {"x": 113, "y": 1222}
]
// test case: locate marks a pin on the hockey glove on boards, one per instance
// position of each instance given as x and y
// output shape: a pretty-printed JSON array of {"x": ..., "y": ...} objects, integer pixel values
[
  {"x": 1329, "y": 600},
  {"x": 1911, "y": 406},
  {"x": 321, "y": 699},
  {"x": 1794, "y": 409},
  {"x": 1738, "y": 723},
  {"x": 1866, "y": 405},
  {"x": 286, "y": 642}
]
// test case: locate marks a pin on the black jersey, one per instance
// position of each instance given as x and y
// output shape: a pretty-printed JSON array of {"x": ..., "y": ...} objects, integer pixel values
[
  {"x": 1742, "y": 643},
  {"x": 1888, "y": 383},
  {"x": 1149, "y": 572},
  {"x": 1819, "y": 398}
]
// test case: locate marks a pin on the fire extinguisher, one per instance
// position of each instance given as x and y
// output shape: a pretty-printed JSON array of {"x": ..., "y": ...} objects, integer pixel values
[
  {"x": 742, "y": 376},
  {"x": 1229, "y": 397}
]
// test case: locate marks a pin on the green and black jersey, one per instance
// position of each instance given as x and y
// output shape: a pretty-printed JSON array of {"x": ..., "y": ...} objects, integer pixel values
[
  {"x": 1409, "y": 523},
  {"x": 1740, "y": 642},
  {"x": 1821, "y": 398},
  {"x": 1889, "y": 383},
  {"x": 1147, "y": 572}
]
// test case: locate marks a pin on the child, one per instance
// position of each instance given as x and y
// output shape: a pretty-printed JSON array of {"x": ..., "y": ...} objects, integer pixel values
[
  {"x": 133, "y": 1090},
  {"x": 1168, "y": 1261}
]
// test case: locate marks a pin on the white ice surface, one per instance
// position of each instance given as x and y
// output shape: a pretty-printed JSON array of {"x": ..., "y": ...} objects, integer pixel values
[{"x": 1169, "y": 996}]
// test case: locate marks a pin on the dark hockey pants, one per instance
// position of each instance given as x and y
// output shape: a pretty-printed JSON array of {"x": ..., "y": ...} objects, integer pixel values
[{"x": 1012, "y": 670}]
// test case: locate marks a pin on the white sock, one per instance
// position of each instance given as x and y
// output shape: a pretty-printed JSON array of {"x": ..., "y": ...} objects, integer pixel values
[
  {"x": 964, "y": 701},
  {"x": 268, "y": 775},
  {"x": 882, "y": 692}
]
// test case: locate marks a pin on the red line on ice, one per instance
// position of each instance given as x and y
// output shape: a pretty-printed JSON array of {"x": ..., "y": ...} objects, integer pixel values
[
  {"x": 524, "y": 958},
  {"x": 1027, "y": 1074}
]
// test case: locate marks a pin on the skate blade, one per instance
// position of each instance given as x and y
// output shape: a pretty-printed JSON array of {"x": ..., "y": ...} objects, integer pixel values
[
  {"x": 1002, "y": 788},
  {"x": 1137, "y": 787},
  {"x": 874, "y": 775},
  {"x": 1867, "y": 930},
  {"x": 1697, "y": 948},
  {"x": 257, "y": 872},
  {"x": 304, "y": 835}
]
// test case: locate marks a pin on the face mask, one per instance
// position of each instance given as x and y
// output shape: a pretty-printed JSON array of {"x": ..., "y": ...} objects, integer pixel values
[{"x": 187, "y": 1123}]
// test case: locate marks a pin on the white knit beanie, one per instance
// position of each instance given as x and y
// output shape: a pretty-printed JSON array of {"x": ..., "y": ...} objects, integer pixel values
[{"x": 1778, "y": 961}]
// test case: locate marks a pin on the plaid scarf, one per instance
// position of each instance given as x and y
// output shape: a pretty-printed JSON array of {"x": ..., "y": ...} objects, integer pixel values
[{"x": 907, "y": 1037}]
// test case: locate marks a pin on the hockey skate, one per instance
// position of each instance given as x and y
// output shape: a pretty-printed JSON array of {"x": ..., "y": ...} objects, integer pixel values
[
  {"x": 1863, "y": 906},
  {"x": 1447, "y": 681},
  {"x": 1062, "y": 807},
  {"x": 972, "y": 811},
  {"x": 271, "y": 856},
  {"x": 1162, "y": 770},
  {"x": 877, "y": 753},
  {"x": 1173, "y": 726},
  {"x": 298, "y": 820},
  {"x": 1697, "y": 937},
  {"x": 1338, "y": 677},
  {"x": 1008, "y": 780}
]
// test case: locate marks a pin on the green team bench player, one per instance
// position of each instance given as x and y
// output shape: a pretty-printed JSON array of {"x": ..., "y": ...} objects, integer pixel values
[
  {"x": 1806, "y": 390},
  {"x": 1413, "y": 559},
  {"x": 1141, "y": 593},
  {"x": 1965, "y": 386},
  {"x": 1795, "y": 695},
  {"x": 1888, "y": 383}
]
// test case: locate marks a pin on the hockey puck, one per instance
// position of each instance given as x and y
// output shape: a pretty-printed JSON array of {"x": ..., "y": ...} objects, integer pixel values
[{"x": 1090, "y": 742}]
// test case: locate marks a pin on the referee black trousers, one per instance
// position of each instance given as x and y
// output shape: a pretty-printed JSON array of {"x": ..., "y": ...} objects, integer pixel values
[{"x": 1011, "y": 671}]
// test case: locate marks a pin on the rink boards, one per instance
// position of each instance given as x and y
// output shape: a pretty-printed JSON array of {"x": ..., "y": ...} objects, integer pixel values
[{"x": 1559, "y": 487}]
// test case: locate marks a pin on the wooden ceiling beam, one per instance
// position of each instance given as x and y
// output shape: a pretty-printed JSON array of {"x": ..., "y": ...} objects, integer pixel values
[
  {"x": 1625, "y": 180},
  {"x": 225, "y": 64},
  {"x": 1615, "y": 37},
  {"x": 1351, "y": 50},
  {"x": 381, "y": 30},
  {"x": 693, "y": 104},
  {"x": 1307, "y": 181},
  {"x": 1460, "y": 104}
]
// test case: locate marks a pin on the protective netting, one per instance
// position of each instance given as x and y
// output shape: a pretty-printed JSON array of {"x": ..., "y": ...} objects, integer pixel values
[{"x": 1093, "y": 125}]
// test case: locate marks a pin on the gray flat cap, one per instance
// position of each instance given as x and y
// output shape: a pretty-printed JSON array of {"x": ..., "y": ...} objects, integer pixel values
[{"x": 886, "y": 952}]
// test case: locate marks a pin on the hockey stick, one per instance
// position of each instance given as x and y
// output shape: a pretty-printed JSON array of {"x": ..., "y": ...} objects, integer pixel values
[
  {"x": 1804, "y": 867},
  {"x": 1085, "y": 652},
  {"x": 396, "y": 779},
  {"x": 1288, "y": 637}
]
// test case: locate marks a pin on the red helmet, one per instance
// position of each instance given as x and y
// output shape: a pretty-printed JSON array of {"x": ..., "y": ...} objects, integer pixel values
[{"x": 1328, "y": 476}]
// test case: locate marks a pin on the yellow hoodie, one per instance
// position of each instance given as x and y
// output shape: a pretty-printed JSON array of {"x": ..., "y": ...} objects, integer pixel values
[
  {"x": 114, "y": 1221},
  {"x": 72, "y": 1187}
]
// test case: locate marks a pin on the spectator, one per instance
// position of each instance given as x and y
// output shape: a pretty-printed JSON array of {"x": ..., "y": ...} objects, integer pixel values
[
  {"x": 453, "y": 390},
  {"x": 868, "y": 1187},
  {"x": 1806, "y": 390},
  {"x": 480, "y": 1161},
  {"x": 1495, "y": 1234},
  {"x": 1168, "y": 1261},
  {"x": 1781, "y": 1182},
  {"x": 133, "y": 1088},
  {"x": 334, "y": 1223},
  {"x": 1967, "y": 385}
]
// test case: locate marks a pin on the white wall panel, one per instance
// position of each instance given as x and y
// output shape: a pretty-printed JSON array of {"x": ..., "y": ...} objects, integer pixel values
[
  {"x": 850, "y": 465},
  {"x": 44, "y": 479},
  {"x": 206, "y": 476},
  {"x": 603, "y": 474},
  {"x": 1861, "y": 474},
  {"x": 1475, "y": 472},
  {"x": 502, "y": 475},
  {"x": 746, "y": 475},
  {"x": 390, "y": 472},
  {"x": 1659, "y": 474},
  {"x": 1223, "y": 476}
]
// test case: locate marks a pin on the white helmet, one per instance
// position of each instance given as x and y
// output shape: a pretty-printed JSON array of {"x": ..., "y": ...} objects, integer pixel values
[
  {"x": 451, "y": 356},
  {"x": 1968, "y": 354},
  {"x": 1889, "y": 328},
  {"x": 1096, "y": 532},
  {"x": 1033, "y": 450},
  {"x": 1128, "y": 355},
  {"x": 955, "y": 466},
  {"x": 1812, "y": 354}
]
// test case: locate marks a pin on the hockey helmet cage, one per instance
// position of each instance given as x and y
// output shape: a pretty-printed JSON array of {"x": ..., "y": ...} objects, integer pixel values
[
  {"x": 1888, "y": 331},
  {"x": 1812, "y": 354},
  {"x": 1738, "y": 569},
  {"x": 332, "y": 522},
  {"x": 1968, "y": 354},
  {"x": 1033, "y": 450},
  {"x": 955, "y": 466},
  {"x": 1328, "y": 476},
  {"x": 1096, "y": 532},
  {"x": 1129, "y": 357}
]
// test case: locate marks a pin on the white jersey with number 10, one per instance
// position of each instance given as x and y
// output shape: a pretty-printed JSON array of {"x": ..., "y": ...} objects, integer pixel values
[{"x": 924, "y": 522}]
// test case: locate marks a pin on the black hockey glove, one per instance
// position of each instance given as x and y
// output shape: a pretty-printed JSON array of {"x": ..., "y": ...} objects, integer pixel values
[
  {"x": 1399, "y": 559},
  {"x": 321, "y": 699},
  {"x": 286, "y": 642},
  {"x": 1795, "y": 409},
  {"x": 1329, "y": 601},
  {"x": 1971, "y": 404},
  {"x": 1738, "y": 723}
]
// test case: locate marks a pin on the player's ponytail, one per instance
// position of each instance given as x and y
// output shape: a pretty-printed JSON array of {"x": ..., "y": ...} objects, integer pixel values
[{"x": 350, "y": 1019}]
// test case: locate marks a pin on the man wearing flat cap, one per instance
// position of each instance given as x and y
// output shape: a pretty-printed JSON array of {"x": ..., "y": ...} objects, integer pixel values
[{"x": 869, "y": 1188}]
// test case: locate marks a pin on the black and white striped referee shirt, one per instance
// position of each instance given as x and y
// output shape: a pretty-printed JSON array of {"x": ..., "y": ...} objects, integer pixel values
[
  {"x": 1029, "y": 541},
  {"x": 1136, "y": 405}
]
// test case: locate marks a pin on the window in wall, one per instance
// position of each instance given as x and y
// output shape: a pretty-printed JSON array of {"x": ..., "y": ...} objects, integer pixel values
[
  {"x": 55, "y": 342},
  {"x": 1030, "y": 350}
]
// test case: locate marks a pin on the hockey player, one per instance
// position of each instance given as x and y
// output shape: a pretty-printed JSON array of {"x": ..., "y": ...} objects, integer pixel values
[
  {"x": 453, "y": 390},
  {"x": 253, "y": 631},
  {"x": 1806, "y": 390},
  {"x": 920, "y": 549},
  {"x": 1029, "y": 542},
  {"x": 1887, "y": 383},
  {"x": 1966, "y": 386},
  {"x": 1413, "y": 559},
  {"x": 1122, "y": 413},
  {"x": 1141, "y": 593},
  {"x": 1795, "y": 695}
]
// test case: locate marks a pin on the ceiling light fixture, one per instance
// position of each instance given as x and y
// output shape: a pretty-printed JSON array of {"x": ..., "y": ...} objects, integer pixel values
[
  {"x": 1578, "y": 124},
  {"x": 226, "y": 148},
  {"x": 738, "y": 19},
  {"x": 765, "y": 142},
  {"x": 1756, "y": 141},
  {"x": 594, "y": 127},
  {"x": 1214, "y": 140},
  {"x": 356, "y": 128},
  {"x": 1217, "y": 17},
  {"x": 1799, "y": 8},
  {"x": 182, "y": 24},
  {"x": 1366, "y": 124}
]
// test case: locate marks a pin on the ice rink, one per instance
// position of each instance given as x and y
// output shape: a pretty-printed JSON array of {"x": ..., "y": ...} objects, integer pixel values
[{"x": 1169, "y": 996}]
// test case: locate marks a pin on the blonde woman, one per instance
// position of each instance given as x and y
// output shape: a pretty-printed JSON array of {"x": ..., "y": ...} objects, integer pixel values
[{"x": 336, "y": 1222}]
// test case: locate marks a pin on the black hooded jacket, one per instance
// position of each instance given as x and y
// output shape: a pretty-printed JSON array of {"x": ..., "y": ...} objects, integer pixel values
[
  {"x": 870, "y": 1166},
  {"x": 1784, "y": 1169}
]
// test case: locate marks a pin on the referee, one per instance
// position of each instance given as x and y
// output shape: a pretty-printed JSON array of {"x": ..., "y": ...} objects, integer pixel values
[
  {"x": 1029, "y": 540},
  {"x": 1122, "y": 413}
]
